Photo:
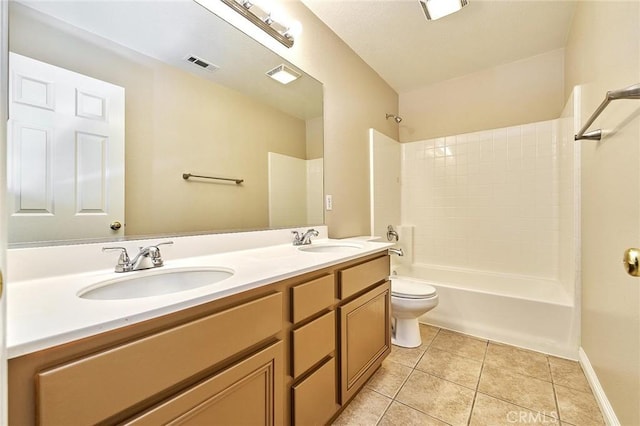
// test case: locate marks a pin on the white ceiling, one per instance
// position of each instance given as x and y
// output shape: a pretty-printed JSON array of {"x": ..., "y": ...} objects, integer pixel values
[
  {"x": 409, "y": 52},
  {"x": 142, "y": 26}
]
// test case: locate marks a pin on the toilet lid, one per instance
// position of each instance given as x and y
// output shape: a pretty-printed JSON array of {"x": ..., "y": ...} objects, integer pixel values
[{"x": 411, "y": 289}]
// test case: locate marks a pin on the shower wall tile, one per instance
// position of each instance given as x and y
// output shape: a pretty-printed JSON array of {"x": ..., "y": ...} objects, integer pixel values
[{"x": 487, "y": 200}]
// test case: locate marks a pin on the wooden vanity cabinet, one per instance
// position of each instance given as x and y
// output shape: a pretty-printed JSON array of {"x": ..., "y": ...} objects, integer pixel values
[{"x": 290, "y": 353}]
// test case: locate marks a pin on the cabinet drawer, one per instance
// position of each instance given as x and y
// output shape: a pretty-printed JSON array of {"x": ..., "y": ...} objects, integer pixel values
[
  {"x": 248, "y": 393},
  {"x": 357, "y": 278},
  {"x": 92, "y": 389},
  {"x": 313, "y": 342},
  {"x": 314, "y": 399},
  {"x": 312, "y": 297}
]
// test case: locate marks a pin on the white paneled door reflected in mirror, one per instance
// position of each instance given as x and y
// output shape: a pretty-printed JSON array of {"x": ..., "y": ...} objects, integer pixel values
[
  {"x": 66, "y": 153},
  {"x": 169, "y": 116}
]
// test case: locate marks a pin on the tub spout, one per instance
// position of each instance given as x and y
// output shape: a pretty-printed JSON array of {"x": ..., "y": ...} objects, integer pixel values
[{"x": 399, "y": 251}]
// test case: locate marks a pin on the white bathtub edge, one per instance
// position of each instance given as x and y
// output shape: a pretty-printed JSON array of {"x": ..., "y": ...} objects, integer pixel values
[
  {"x": 605, "y": 406},
  {"x": 558, "y": 296}
]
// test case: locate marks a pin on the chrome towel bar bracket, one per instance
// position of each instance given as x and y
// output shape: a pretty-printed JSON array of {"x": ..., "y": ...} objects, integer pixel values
[{"x": 631, "y": 92}]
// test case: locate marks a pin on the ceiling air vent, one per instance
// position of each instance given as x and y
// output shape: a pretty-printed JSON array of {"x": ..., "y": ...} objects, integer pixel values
[{"x": 202, "y": 63}]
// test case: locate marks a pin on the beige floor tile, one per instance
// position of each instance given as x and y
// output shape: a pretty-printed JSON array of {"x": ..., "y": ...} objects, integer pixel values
[
  {"x": 518, "y": 360},
  {"x": 568, "y": 373},
  {"x": 406, "y": 356},
  {"x": 460, "y": 344},
  {"x": 436, "y": 397},
  {"x": 457, "y": 369},
  {"x": 400, "y": 415},
  {"x": 525, "y": 391},
  {"x": 365, "y": 409},
  {"x": 578, "y": 408},
  {"x": 488, "y": 411},
  {"x": 389, "y": 378},
  {"x": 428, "y": 333}
]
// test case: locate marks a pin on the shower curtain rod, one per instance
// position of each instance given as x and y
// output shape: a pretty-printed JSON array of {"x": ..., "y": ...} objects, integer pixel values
[{"x": 631, "y": 92}]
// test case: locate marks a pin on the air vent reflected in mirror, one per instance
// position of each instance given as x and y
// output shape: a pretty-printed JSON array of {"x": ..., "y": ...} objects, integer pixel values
[{"x": 202, "y": 63}]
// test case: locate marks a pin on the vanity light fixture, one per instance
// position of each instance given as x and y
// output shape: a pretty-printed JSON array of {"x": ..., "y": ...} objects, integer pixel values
[
  {"x": 436, "y": 9},
  {"x": 283, "y": 74},
  {"x": 278, "y": 27}
]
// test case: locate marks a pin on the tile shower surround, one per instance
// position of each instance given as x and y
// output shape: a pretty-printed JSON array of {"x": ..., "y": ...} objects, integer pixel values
[
  {"x": 487, "y": 200},
  {"x": 455, "y": 379}
]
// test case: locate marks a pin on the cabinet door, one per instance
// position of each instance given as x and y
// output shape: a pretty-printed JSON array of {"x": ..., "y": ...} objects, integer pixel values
[
  {"x": 248, "y": 393},
  {"x": 365, "y": 338}
]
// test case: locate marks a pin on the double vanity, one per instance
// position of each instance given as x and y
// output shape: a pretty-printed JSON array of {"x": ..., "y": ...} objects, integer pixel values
[{"x": 274, "y": 334}]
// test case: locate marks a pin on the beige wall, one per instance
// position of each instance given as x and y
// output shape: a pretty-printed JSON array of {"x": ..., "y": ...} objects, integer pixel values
[
  {"x": 603, "y": 53},
  {"x": 175, "y": 123},
  {"x": 315, "y": 131},
  {"x": 355, "y": 99},
  {"x": 520, "y": 92}
]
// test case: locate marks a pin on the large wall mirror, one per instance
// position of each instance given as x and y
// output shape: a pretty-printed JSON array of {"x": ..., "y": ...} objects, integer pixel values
[{"x": 111, "y": 103}]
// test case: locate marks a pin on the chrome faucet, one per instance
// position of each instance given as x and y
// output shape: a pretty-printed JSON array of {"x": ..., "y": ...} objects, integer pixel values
[
  {"x": 399, "y": 251},
  {"x": 147, "y": 258},
  {"x": 305, "y": 239}
]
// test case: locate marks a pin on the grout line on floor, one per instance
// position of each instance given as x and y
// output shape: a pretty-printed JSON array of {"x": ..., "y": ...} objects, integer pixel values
[
  {"x": 473, "y": 404},
  {"x": 475, "y": 395},
  {"x": 386, "y": 409},
  {"x": 555, "y": 395}
]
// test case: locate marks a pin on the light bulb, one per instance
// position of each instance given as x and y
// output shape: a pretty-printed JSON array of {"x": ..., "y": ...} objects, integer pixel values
[
  {"x": 294, "y": 31},
  {"x": 260, "y": 8}
]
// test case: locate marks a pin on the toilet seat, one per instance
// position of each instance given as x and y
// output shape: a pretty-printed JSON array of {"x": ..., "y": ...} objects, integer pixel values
[{"x": 407, "y": 290}]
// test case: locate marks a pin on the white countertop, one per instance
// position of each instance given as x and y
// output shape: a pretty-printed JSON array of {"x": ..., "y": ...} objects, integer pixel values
[{"x": 46, "y": 311}]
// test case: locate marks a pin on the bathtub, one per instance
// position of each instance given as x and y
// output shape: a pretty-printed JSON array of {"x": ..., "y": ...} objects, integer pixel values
[{"x": 531, "y": 313}]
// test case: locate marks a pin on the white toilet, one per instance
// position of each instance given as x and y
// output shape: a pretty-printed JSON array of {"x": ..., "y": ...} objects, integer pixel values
[{"x": 409, "y": 300}]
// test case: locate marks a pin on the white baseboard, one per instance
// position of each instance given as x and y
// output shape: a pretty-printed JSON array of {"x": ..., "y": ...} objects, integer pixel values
[{"x": 605, "y": 406}]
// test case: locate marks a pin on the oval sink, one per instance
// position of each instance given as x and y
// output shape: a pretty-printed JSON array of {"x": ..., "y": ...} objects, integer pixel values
[
  {"x": 154, "y": 284},
  {"x": 331, "y": 248}
]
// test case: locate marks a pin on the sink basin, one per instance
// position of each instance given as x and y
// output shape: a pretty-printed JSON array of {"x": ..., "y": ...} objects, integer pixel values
[
  {"x": 154, "y": 283},
  {"x": 331, "y": 248}
]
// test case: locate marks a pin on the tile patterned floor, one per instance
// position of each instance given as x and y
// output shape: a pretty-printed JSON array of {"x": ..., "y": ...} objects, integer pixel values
[{"x": 454, "y": 379}]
